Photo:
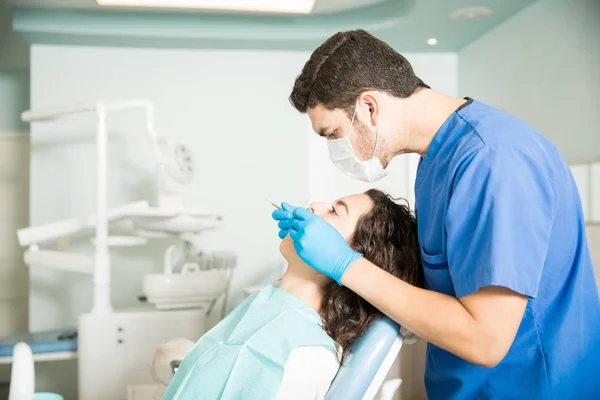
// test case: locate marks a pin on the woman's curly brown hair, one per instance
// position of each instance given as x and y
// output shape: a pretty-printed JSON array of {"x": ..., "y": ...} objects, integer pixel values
[{"x": 386, "y": 236}]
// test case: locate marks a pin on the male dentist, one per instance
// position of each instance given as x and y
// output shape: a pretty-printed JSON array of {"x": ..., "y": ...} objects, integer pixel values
[{"x": 510, "y": 307}]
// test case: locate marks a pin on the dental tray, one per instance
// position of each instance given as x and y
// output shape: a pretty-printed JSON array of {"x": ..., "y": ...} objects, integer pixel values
[{"x": 62, "y": 340}]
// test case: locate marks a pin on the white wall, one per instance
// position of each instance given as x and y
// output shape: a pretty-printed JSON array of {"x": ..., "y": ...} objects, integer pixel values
[
  {"x": 542, "y": 65},
  {"x": 231, "y": 108},
  {"x": 587, "y": 177}
]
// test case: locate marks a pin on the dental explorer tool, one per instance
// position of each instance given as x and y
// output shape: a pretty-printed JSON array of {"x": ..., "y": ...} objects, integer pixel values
[
  {"x": 273, "y": 204},
  {"x": 306, "y": 205}
]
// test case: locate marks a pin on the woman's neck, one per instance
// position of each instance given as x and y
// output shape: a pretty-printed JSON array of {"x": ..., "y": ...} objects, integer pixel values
[{"x": 303, "y": 282}]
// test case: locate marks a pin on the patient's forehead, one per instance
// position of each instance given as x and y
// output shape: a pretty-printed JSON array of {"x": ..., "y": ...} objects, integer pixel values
[{"x": 358, "y": 203}]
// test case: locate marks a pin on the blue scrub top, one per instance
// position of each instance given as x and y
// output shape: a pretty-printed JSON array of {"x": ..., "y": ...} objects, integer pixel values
[{"x": 497, "y": 205}]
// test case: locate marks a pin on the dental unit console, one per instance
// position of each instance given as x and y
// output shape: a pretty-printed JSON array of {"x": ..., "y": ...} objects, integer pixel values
[{"x": 124, "y": 341}]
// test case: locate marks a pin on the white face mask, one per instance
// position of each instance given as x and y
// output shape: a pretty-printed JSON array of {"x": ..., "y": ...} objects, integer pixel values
[{"x": 342, "y": 156}]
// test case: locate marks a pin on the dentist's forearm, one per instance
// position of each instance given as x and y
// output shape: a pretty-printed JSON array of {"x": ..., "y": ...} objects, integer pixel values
[
  {"x": 435, "y": 317},
  {"x": 440, "y": 319}
]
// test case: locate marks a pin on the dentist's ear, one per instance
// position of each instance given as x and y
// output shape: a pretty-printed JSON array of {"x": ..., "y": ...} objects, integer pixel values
[{"x": 370, "y": 99}]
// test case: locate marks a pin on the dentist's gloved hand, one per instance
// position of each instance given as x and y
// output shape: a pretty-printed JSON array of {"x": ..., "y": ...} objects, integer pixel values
[
  {"x": 284, "y": 217},
  {"x": 317, "y": 242}
]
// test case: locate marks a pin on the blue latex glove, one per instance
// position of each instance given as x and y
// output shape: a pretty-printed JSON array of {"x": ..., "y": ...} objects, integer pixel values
[
  {"x": 317, "y": 243},
  {"x": 284, "y": 216}
]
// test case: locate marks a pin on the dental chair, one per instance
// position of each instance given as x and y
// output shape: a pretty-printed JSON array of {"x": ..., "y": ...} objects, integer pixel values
[{"x": 364, "y": 370}]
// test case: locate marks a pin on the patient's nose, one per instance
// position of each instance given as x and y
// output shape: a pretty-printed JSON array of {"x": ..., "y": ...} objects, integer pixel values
[{"x": 319, "y": 208}]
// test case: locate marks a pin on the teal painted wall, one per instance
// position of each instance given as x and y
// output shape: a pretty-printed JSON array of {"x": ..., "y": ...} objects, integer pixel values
[
  {"x": 14, "y": 99},
  {"x": 403, "y": 24},
  {"x": 542, "y": 65},
  {"x": 14, "y": 75},
  {"x": 14, "y": 50}
]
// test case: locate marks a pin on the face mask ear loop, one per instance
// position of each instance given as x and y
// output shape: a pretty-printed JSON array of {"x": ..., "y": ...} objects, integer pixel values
[
  {"x": 376, "y": 141},
  {"x": 352, "y": 121}
]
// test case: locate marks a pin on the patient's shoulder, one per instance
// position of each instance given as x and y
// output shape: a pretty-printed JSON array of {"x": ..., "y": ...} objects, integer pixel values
[
  {"x": 311, "y": 354},
  {"x": 308, "y": 373}
]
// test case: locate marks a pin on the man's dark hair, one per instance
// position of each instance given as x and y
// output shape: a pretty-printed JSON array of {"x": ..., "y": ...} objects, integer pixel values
[{"x": 348, "y": 64}]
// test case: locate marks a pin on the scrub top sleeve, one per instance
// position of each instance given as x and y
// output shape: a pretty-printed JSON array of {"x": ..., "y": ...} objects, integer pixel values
[{"x": 499, "y": 219}]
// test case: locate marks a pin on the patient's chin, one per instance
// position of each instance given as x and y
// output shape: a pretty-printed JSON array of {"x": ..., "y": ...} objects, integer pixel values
[{"x": 286, "y": 248}]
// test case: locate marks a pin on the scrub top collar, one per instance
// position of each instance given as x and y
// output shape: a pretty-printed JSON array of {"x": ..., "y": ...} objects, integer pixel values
[{"x": 440, "y": 136}]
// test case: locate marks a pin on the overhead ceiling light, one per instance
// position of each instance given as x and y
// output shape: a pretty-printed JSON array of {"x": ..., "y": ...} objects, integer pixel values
[
  {"x": 432, "y": 41},
  {"x": 470, "y": 13},
  {"x": 274, "y": 6}
]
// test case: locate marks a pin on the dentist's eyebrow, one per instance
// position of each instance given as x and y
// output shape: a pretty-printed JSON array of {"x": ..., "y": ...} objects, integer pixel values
[{"x": 343, "y": 204}]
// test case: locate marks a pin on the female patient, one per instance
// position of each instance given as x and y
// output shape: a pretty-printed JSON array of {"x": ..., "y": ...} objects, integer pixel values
[{"x": 286, "y": 342}]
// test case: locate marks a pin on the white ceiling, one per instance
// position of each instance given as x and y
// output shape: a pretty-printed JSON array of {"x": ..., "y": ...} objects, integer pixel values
[
  {"x": 321, "y": 6},
  {"x": 404, "y": 24}
]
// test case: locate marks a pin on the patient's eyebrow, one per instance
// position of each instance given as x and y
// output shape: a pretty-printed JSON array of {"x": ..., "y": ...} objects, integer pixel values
[{"x": 343, "y": 204}]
